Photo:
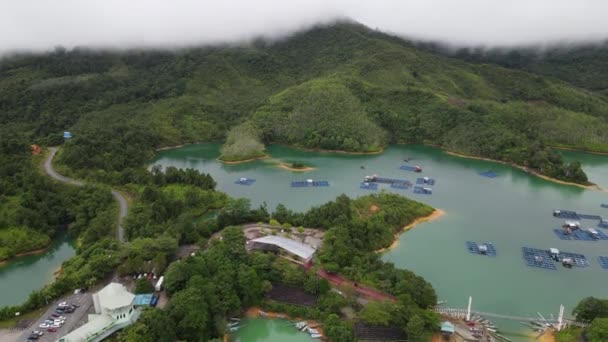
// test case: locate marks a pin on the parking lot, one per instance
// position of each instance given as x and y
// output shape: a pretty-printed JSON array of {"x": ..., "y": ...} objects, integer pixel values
[{"x": 73, "y": 320}]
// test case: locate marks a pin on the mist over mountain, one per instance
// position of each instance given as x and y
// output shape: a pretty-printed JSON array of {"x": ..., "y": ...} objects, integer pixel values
[{"x": 39, "y": 26}]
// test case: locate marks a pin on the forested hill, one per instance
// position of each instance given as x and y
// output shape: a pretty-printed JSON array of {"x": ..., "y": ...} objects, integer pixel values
[
  {"x": 342, "y": 86},
  {"x": 584, "y": 65}
]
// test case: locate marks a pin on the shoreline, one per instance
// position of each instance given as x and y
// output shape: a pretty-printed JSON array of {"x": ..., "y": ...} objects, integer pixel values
[
  {"x": 380, "y": 151},
  {"x": 242, "y": 161},
  {"x": 437, "y": 213},
  {"x": 532, "y": 172},
  {"x": 286, "y": 166},
  {"x": 254, "y": 312},
  {"x": 32, "y": 252}
]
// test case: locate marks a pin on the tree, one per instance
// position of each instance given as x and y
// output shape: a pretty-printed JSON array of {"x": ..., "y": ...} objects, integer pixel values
[
  {"x": 415, "y": 329},
  {"x": 143, "y": 285},
  {"x": 336, "y": 329},
  {"x": 378, "y": 313},
  {"x": 598, "y": 330},
  {"x": 153, "y": 325},
  {"x": 590, "y": 308}
]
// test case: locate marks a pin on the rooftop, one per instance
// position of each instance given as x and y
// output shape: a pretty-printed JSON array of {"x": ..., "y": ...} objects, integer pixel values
[
  {"x": 115, "y": 296},
  {"x": 301, "y": 250},
  {"x": 95, "y": 325}
]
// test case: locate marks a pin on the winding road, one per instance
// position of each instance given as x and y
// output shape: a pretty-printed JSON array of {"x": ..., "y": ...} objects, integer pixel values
[{"x": 122, "y": 201}]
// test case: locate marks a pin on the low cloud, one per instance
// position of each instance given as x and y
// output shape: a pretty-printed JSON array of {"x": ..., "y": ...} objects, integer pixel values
[{"x": 40, "y": 25}]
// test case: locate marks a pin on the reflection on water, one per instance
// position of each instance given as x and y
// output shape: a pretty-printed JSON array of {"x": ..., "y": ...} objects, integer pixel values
[{"x": 23, "y": 275}]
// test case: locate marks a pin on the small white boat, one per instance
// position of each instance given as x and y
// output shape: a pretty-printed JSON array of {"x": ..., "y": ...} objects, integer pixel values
[
  {"x": 316, "y": 335},
  {"x": 263, "y": 314},
  {"x": 313, "y": 331}
]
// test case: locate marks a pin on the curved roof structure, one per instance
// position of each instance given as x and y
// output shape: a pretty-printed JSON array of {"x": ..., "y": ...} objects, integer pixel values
[{"x": 294, "y": 247}]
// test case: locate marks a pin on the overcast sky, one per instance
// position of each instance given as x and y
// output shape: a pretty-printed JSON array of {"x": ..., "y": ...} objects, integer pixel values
[{"x": 42, "y": 24}]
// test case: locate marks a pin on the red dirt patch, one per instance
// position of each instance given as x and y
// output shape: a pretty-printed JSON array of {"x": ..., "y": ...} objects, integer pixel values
[{"x": 36, "y": 150}]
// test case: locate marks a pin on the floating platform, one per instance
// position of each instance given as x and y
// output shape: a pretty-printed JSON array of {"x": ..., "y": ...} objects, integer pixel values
[
  {"x": 383, "y": 180},
  {"x": 425, "y": 181},
  {"x": 590, "y": 217},
  {"x": 604, "y": 205},
  {"x": 422, "y": 190},
  {"x": 368, "y": 186},
  {"x": 473, "y": 248},
  {"x": 402, "y": 186},
  {"x": 410, "y": 168},
  {"x": 603, "y": 224},
  {"x": 538, "y": 258},
  {"x": 580, "y": 235},
  {"x": 489, "y": 174},
  {"x": 309, "y": 183},
  {"x": 542, "y": 258},
  {"x": 245, "y": 181},
  {"x": 573, "y": 215},
  {"x": 566, "y": 214},
  {"x": 603, "y": 260}
]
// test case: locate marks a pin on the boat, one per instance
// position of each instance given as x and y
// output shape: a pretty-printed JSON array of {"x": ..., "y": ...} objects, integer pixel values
[
  {"x": 313, "y": 331},
  {"x": 316, "y": 335},
  {"x": 263, "y": 314},
  {"x": 301, "y": 325},
  {"x": 232, "y": 324},
  {"x": 233, "y": 329}
]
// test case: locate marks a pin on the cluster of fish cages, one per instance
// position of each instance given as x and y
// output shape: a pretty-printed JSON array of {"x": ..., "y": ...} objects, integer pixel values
[
  {"x": 422, "y": 190},
  {"x": 245, "y": 181},
  {"x": 309, "y": 183},
  {"x": 425, "y": 181},
  {"x": 368, "y": 186},
  {"x": 547, "y": 258},
  {"x": 581, "y": 235},
  {"x": 603, "y": 260},
  {"x": 481, "y": 249},
  {"x": 488, "y": 174}
]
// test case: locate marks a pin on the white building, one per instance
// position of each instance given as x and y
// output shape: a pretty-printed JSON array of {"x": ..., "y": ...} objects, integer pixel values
[{"x": 113, "y": 311}]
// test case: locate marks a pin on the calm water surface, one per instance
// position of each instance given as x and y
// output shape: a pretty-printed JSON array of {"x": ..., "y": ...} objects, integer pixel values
[
  {"x": 269, "y": 330},
  {"x": 512, "y": 210},
  {"x": 23, "y": 275}
]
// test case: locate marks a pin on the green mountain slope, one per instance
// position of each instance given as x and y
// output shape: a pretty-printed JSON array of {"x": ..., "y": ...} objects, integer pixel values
[
  {"x": 342, "y": 86},
  {"x": 585, "y": 66}
]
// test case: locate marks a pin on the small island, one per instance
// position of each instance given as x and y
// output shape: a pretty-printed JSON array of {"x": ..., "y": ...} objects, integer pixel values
[
  {"x": 296, "y": 166},
  {"x": 242, "y": 145}
]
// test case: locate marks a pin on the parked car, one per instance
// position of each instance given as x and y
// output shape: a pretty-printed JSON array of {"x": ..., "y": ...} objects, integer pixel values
[
  {"x": 44, "y": 325},
  {"x": 69, "y": 309},
  {"x": 55, "y": 315},
  {"x": 55, "y": 325},
  {"x": 49, "y": 321},
  {"x": 51, "y": 329},
  {"x": 38, "y": 332},
  {"x": 33, "y": 337}
]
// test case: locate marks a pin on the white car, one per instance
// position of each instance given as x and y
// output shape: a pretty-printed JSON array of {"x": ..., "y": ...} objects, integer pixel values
[
  {"x": 43, "y": 326},
  {"x": 55, "y": 325},
  {"x": 59, "y": 321}
]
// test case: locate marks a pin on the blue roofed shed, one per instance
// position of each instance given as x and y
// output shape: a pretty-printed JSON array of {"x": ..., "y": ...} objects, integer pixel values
[
  {"x": 447, "y": 328},
  {"x": 143, "y": 299}
]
